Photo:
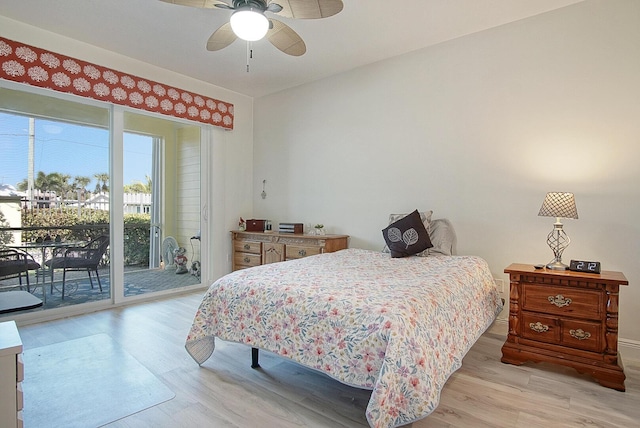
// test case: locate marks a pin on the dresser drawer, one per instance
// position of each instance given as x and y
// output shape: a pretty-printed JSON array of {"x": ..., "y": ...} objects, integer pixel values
[
  {"x": 19, "y": 397},
  {"x": 245, "y": 260},
  {"x": 19, "y": 368},
  {"x": 247, "y": 247},
  {"x": 260, "y": 248},
  {"x": 583, "y": 335},
  {"x": 541, "y": 328},
  {"x": 574, "y": 302},
  {"x": 299, "y": 251}
]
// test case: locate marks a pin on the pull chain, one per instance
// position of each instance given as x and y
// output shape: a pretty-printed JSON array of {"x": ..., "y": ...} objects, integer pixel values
[{"x": 249, "y": 54}]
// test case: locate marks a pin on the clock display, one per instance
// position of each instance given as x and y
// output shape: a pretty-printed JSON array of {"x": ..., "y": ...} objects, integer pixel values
[{"x": 584, "y": 266}]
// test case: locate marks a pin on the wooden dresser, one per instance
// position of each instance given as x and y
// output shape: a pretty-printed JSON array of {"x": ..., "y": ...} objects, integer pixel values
[
  {"x": 259, "y": 248},
  {"x": 567, "y": 318},
  {"x": 11, "y": 376}
]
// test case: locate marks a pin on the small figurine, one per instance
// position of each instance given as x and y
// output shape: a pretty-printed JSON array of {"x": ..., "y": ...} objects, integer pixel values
[
  {"x": 180, "y": 260},
  {"x": 195, "y": 269}
]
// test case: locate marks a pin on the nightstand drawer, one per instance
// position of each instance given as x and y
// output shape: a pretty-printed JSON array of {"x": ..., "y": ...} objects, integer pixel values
[
  {"x": 247, "y": 247},
  {"x": 574, "y": 302},
  {"x": 583, "y": 335},
  {"x": 245, "y": 260},
  {"x": 298, "y": 251},
  {"x": 541, "y": 328}
]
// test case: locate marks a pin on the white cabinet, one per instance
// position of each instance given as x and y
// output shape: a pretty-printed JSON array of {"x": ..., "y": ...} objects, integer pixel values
[{"x": 11, "y": 376}]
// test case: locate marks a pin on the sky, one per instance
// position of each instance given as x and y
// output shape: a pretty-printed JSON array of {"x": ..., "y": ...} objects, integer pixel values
[{"x": 68, "y": 149}]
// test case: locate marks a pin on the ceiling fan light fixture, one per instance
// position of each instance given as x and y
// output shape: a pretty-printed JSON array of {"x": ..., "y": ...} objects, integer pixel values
[{"x": 249, "y": 24}]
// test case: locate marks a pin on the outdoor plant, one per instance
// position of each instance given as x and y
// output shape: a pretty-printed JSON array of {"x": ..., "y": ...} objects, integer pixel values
[
  {"x": 68, "y": 225},
  {"x": 86, "y": 225},
  {"x": 136, "y": 239},
  {"x": 5, "y": 236}
]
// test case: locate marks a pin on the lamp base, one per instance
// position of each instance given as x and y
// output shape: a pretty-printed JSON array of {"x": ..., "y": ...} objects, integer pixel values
[
  {"x": 557, "y": 265},
  {"x": 557, "y": 241}
]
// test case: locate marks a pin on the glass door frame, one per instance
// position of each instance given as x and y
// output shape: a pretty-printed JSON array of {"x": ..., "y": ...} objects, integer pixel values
[
  {"x": 116, "y": 215},
  {"x": 117, "y": 211}
]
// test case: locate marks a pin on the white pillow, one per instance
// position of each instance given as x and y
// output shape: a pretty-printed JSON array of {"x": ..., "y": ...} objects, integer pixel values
[
  {"x": 443, "y": 237},
  {"x": 425, "y": 216}
]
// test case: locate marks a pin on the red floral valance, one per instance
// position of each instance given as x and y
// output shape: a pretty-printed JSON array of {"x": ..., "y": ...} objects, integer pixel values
[{"x": 38, "y": 67}]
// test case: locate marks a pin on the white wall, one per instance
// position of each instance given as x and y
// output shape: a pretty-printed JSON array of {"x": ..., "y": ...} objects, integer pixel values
[
  {"x": 188, "y": 206},
  {"x": 230, "y": 166},
  {"x": 477, "y": 129}
]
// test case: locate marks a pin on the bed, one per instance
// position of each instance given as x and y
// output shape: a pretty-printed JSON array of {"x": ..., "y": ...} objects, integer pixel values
[{"x": 397, "y": 326}]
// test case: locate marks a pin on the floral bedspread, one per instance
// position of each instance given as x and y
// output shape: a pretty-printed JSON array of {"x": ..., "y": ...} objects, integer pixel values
[{"x": 398, "y": 326}]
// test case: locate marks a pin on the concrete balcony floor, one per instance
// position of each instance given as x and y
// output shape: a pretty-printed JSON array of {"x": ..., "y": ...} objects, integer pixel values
[{"x": 78, "y": 289}]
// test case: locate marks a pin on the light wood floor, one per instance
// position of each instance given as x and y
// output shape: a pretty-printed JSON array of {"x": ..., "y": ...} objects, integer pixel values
[{"x": 226, "y": 392}]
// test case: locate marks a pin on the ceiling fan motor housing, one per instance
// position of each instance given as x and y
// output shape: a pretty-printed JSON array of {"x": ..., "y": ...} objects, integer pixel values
[{"x": 254, "y": 4}]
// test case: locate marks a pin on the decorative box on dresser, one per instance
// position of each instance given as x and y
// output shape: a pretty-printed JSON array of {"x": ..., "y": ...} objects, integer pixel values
[
  {"x": 259, "y": 248},
  {"x": 565, "y": 317},
  {"x": 11, "y": 376}
]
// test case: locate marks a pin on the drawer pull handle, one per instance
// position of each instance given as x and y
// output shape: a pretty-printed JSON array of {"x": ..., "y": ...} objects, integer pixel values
[
  {"x": 559, "y": 300},
  {"x": 247, "y": 246},
  {"x": 302, "y": 253},
  {"x": 538, "y": 327},
  {"x": 246, "y": 259},
  {"x": 579, "y": 334}
]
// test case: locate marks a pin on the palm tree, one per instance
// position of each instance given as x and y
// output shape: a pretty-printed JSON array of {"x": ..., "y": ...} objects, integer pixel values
[
  {"x": 52, "y": 182},
  {"x": 149, "y": 184},
  {"x": 23, "y": 185},
  {"x": 138, "y": 187},
  {"x": 60, "y": 184},
  {"x": 43, "y": 182},
  {"x": 103, "y": 178},
  {"x": 80, "y": 184},
  {"x": 5, "y": 236}
]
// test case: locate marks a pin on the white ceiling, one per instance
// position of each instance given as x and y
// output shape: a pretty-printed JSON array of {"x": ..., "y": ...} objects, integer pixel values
[{"x": 174, "y": 37}]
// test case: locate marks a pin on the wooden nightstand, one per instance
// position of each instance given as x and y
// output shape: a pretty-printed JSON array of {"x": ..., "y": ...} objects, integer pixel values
[{"x": 565, "y": 317}]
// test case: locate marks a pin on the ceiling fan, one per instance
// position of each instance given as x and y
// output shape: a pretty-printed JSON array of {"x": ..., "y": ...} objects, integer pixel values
[{"x": 248, "y": 21}]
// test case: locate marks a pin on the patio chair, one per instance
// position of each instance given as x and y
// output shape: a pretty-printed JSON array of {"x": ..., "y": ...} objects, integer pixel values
[
  {"x": 81, "y": 258},
  {"x": 15, "y": 263}
]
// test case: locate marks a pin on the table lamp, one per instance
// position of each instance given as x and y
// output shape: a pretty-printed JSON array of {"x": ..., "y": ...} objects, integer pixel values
[{"x": 558, "y": 205}]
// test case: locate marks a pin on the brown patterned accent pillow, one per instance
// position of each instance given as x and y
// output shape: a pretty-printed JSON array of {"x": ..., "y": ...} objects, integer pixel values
[{"x": 407, "y": 236}]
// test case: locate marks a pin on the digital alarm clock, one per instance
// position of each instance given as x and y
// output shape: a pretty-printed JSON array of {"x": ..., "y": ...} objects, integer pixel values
[{"x": 584, "y": 266}]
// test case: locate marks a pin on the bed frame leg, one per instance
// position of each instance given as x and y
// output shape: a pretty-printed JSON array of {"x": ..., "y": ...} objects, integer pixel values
[{"x": 254, "y": 358}]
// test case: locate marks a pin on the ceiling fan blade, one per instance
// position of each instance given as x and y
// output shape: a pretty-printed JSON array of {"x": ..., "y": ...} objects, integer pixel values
[
  {"x": 284, "y": 38},
  {"x": 308, "y": 9},
  {"x": 221, "y": 38},
  {"x": 222, "y": 5},
  {"x": 206, "y": 4}
]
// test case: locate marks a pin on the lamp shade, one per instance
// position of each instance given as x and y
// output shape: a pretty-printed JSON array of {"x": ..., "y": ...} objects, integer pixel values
[
  {"x": 559, "y": 204},
  {"x": 249, "y": 24}
]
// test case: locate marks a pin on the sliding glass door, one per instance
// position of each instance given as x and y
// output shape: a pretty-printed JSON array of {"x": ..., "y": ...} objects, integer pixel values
[
  {"x": 74, "y": 170},
  {"x": 161, "y": 176},
  {"x": 54, "y": 196}
]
